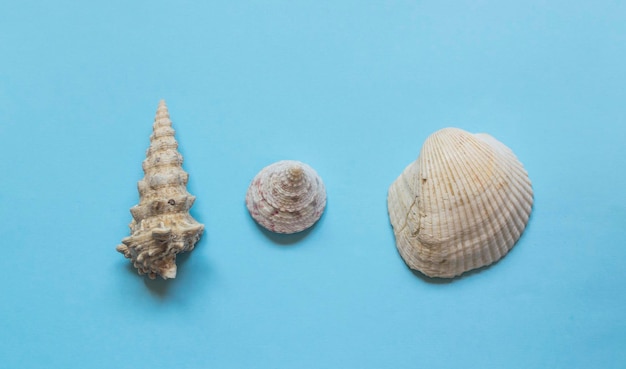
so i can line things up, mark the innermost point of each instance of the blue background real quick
(352, 88)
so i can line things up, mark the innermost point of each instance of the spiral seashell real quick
(162, 226)
(286, 197)
(461, 205)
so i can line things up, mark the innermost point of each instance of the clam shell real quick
(286, 197)
(162, 226)
(461, 205)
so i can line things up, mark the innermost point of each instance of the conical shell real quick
(461, 205)
(286, 197)
(162, 226)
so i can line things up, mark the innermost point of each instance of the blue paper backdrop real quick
(352, 88)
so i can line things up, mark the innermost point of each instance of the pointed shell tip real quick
(295, 171)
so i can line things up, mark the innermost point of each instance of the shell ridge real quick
(421, 254)
(511, 222)
(469, 224)
(442, 220)
(520, 192)
(501, 204)
(522, 182)
(445, 168)
(498, 229)
(524, 191)
(451, 158)
(517, 197)
(481, 226)
(504, 189)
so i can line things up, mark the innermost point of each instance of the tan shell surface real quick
(286, 197)
(461, 205)
(162, 226)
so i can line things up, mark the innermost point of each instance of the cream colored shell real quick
(461, 205)
(162, 226)
(286, 197)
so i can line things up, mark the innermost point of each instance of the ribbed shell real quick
(162, 226)
(461, 205)
(286, 197)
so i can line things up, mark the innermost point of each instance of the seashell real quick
(286, 197)
(461, 205)
(162, 226)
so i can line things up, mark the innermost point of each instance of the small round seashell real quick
(286, 197)
(461, 205)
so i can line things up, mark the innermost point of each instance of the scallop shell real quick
(162, 226)
(286, 197)
(461, 205)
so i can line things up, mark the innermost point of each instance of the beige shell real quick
(461, 205)
(286, 197)
(161, 227)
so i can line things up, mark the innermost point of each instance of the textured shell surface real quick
(162, 226)
(286, 197)
(461, 205)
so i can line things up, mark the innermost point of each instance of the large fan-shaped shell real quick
(461, 205)
(162, 226)
(286, 197)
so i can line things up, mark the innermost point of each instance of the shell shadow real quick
(158, 287)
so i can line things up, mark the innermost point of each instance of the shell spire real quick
(162, 226)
